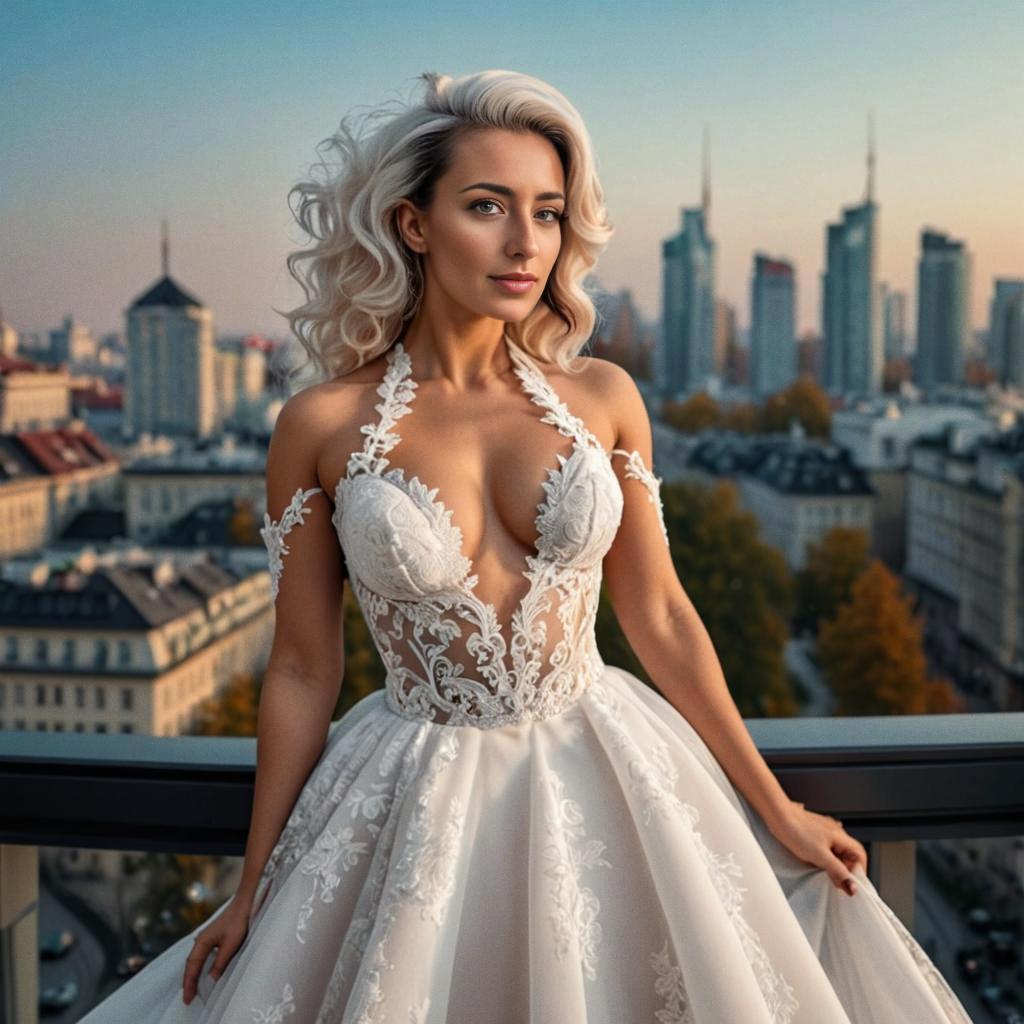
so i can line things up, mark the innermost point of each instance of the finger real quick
(193, 965)
(852, 853)
(223, 956)
(840, 875)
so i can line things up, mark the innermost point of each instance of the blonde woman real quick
(511, 830)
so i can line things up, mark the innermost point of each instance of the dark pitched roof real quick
(166, 292)
(112, 597)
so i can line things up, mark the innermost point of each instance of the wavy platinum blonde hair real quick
(362, 282)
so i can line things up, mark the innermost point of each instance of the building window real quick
(19, 695)
(58, 726)
(79, 727)
(79, 696)
(11, 650)
(42, 649)
(101, 698)
(58, 696)
(126, 698)
(124, 652)
(40, 727)
(3, 694)
(127, 727)
(19, 725)
(101, 727)
(69, 652)
(40, 695)
(102, 653)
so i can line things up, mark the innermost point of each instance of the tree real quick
(232, 710)
(832, 565)
(243, 527)
(743, 417)
(872, 655)
(742, 590)
(803, 400)
(698, 412)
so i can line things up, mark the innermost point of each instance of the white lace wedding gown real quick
(512, 831)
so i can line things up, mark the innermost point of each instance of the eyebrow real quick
(506, 191)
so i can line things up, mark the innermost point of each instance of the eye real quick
(490, 202)
(555, 216)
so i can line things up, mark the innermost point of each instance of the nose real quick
(522, 241)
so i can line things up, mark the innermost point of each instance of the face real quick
(496, 211)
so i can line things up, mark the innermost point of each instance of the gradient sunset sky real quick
(117, 114)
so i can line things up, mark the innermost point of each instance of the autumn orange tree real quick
(696, 413)
(803, 400)
(872, 655)
(830, 569)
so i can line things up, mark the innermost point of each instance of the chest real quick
(487, 457)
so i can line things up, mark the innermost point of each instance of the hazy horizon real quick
(105, 135)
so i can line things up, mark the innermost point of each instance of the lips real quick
(515, 285)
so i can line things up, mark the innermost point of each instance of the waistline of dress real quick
(545, 705)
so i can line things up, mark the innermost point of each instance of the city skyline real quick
(786, 101)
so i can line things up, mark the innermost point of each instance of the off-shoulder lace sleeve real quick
(638, 470)
(273, 534)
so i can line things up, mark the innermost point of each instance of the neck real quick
(462, 363)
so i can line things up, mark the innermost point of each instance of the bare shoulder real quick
(606, 391)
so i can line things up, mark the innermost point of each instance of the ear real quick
(409, 221)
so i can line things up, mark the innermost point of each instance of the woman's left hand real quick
(821, 840)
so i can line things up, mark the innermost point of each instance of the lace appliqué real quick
(276, 1012)
(273, 534)
(423, 876)
(568, 853)
(415, 588)
(669, 985)
(654, 780)
(637, 469)
(947, 998)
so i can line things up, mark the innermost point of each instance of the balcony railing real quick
(891, 780)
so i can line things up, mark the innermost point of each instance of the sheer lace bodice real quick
(448, 657)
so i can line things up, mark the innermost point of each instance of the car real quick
(1002, 947)
(59, 997)
(56, 943)
(972, 963)
(992, 993)
(979, 919)
(132, 964)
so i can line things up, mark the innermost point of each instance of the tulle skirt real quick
(597, 866)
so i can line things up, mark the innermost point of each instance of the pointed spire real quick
(165, 248)
(705, 187)
(870, 190)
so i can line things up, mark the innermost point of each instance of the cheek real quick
(466, 245)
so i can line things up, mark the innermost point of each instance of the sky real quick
(117, 114)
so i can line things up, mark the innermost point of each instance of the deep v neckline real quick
(397, 389)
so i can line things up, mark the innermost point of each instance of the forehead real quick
(517, 159)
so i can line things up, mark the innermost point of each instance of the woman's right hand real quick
(227, 932)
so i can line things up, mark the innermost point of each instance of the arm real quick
(303, 675)
(304, 671)
(672, 643)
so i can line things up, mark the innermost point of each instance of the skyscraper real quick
(894, 312)
(942, 321)
(687, 351)
(773, 357)
(1006, 331)
(851, 313)
(170, 386)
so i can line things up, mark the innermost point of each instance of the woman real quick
(511, 830)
